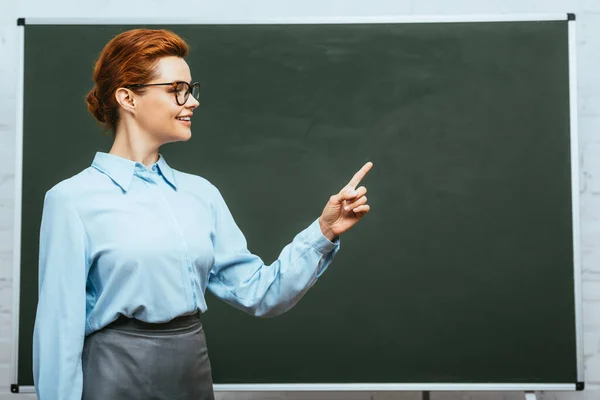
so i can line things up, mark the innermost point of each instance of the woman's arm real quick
(243, 280)
(61, 311)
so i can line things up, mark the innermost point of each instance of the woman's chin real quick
(177, 137)
(187, 136)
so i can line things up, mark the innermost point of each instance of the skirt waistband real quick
(132, 324)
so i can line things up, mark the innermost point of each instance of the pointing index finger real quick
(360, 175)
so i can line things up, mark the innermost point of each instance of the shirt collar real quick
(166, 171)
(121, 170)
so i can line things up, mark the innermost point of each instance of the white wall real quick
(588, 49)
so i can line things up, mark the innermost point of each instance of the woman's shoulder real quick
(73, 186)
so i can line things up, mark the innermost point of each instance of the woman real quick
(129, 245)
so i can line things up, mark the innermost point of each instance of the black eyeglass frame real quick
(190, 89)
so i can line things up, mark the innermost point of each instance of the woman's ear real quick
(125, 98)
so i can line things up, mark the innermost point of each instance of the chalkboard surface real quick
(462, 272)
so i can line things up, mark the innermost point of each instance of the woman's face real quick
(157, 111)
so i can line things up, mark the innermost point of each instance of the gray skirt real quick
(130, 359)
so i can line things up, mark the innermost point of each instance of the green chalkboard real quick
(463, 272)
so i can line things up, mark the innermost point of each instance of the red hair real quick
(129, 58)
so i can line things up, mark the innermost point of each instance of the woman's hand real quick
(345, 209)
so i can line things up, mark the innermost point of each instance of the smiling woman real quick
(129, 245)
(128, 59)
(142, 86)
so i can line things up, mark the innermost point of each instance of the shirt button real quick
(154, 168)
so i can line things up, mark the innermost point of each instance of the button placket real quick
(183, 242)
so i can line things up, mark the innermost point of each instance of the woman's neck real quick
(132, 145)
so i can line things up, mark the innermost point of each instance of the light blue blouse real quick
(120, 238)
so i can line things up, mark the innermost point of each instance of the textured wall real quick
(588, 54)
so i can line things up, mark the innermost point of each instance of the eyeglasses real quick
(181, 89)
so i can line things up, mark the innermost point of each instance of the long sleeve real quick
(61, 311)
(244, 281)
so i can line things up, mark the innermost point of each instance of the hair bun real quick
(93, 105)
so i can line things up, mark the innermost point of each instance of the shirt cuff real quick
(315, 237)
